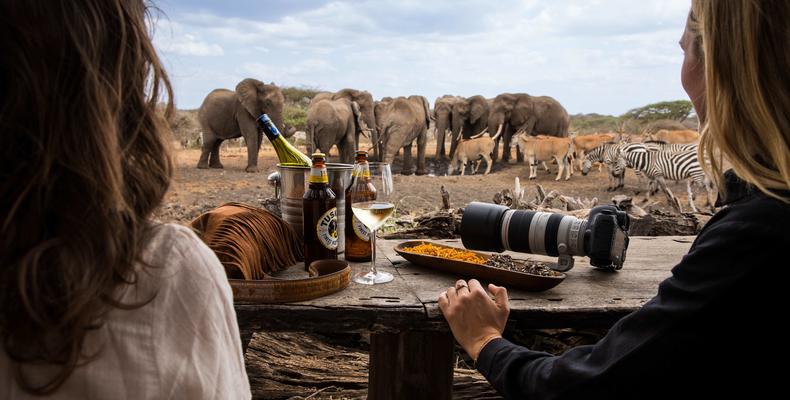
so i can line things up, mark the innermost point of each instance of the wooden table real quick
(411, 352)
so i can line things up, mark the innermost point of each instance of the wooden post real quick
(411, 365)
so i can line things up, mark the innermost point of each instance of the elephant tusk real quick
(460, 132)
(499, 130)
(483, 132)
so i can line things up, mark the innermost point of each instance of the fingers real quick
(475, 286)
(443, 302)
(461, 287)
(500, 295)
(452, 295)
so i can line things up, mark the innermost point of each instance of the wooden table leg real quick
(411, 365)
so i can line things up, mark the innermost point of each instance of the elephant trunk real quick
(441, 130)
(374, 142)
(496, 123)
(310, 139)
(389, 147)
(458, 125)
(277, 118)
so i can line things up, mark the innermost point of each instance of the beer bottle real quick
(319, 215)
(357, 234)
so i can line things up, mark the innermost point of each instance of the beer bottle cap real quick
(318, 171)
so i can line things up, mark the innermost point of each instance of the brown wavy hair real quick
(746, 51)
(84, 164)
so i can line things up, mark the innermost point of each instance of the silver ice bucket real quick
(290, 188)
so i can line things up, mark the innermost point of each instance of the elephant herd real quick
(339, 118)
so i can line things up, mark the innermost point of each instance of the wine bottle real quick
(288, 155)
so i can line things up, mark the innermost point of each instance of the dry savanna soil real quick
(196, 190)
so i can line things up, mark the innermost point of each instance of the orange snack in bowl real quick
(445, 252)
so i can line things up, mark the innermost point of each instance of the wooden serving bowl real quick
(502, 277)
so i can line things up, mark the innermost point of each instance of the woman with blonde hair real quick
(707, 330)
(96, 300)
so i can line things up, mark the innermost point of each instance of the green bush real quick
(594, 123)
(295, 95)
(295, 115)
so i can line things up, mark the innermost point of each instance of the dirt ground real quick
(196, 190)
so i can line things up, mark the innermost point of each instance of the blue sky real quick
(604, 56)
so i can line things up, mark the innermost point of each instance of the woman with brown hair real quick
(707, 330)
(97, 301)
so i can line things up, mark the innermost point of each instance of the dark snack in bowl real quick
(528, 266)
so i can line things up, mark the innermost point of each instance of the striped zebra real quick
(609, 154)
(659, 166)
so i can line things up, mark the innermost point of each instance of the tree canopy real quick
(677, 110)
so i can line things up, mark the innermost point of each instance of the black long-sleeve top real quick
(716, 326)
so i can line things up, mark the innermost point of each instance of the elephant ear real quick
(247, 90)
(427, 107)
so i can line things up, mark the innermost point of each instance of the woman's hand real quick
(474, 318)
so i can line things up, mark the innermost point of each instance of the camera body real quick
(603, 236)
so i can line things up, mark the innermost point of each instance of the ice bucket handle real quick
(274, 180)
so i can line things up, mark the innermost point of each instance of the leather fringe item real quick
(249, 242)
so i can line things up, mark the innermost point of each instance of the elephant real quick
(378, 111)
(470, 117)
(338, 119)
(402, 120)
(512, 112)
(443, 115)
(226, 114)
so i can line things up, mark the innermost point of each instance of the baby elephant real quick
(472, 149)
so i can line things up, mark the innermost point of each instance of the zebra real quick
(639, 158)
(609, 154)
(660, 165)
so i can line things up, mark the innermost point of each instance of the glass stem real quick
(373, 252)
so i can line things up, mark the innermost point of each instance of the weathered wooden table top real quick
(586, 298)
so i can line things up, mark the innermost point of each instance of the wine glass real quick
(372, 203)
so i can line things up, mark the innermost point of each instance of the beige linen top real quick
(184, 344)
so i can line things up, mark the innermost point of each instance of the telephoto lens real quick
(603, 237)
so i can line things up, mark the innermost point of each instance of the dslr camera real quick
(603, 236)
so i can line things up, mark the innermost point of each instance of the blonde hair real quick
(747, 99)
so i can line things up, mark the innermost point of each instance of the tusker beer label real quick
(326, 229)
(360, 229)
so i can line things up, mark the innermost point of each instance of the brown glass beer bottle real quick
(357, 234)
(319, 215)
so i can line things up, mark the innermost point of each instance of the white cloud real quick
(172, 38)
(188, 45)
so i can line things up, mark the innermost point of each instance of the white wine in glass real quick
(376, 178)
(373, 213)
